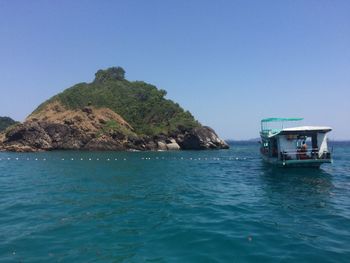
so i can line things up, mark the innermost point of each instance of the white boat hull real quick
(296, 163)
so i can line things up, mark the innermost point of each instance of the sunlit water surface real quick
(193, 206)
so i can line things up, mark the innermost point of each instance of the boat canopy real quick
(272, 126)
(306, 129)
(301, 130)
(281, 119)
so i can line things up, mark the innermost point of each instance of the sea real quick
(181, 206)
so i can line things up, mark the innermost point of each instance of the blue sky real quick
(230, 63)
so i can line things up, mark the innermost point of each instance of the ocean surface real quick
(188, 206)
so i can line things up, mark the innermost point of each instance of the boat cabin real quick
(298, 145)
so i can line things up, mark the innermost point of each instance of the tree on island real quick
(113, 73)
(6, 122)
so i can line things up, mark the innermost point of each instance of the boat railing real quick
(308, 154)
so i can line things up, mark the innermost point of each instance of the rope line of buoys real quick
(109, 159)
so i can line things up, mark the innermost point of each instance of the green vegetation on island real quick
(6, 122)
(141, 104)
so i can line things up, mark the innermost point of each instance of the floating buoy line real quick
(111, 159)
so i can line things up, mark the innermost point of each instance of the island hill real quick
(6, 122)
(110, 113)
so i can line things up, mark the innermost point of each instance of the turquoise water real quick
(195, 206)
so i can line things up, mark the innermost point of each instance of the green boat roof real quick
(281, 119)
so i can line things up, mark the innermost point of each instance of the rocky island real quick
(110, 113)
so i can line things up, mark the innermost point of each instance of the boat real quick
(284, 144)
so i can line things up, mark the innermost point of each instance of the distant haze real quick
(230, 63)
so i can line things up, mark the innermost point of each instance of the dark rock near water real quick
(43, 136)
(36, 136)
(201, 138)
(103, 143)
(31, 135)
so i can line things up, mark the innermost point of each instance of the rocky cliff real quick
(110, 113)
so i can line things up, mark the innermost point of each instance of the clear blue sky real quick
(230, 63)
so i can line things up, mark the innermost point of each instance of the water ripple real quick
(211, 206)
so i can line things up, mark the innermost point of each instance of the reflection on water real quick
(300, 205)
(299, 179)
(297, 187)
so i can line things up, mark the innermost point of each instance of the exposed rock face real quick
(104, 143)
(201, 138)
(59, 128)
(42, 136)
(173, 146)
(162, 146)
(32, 135)
(168, 144)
